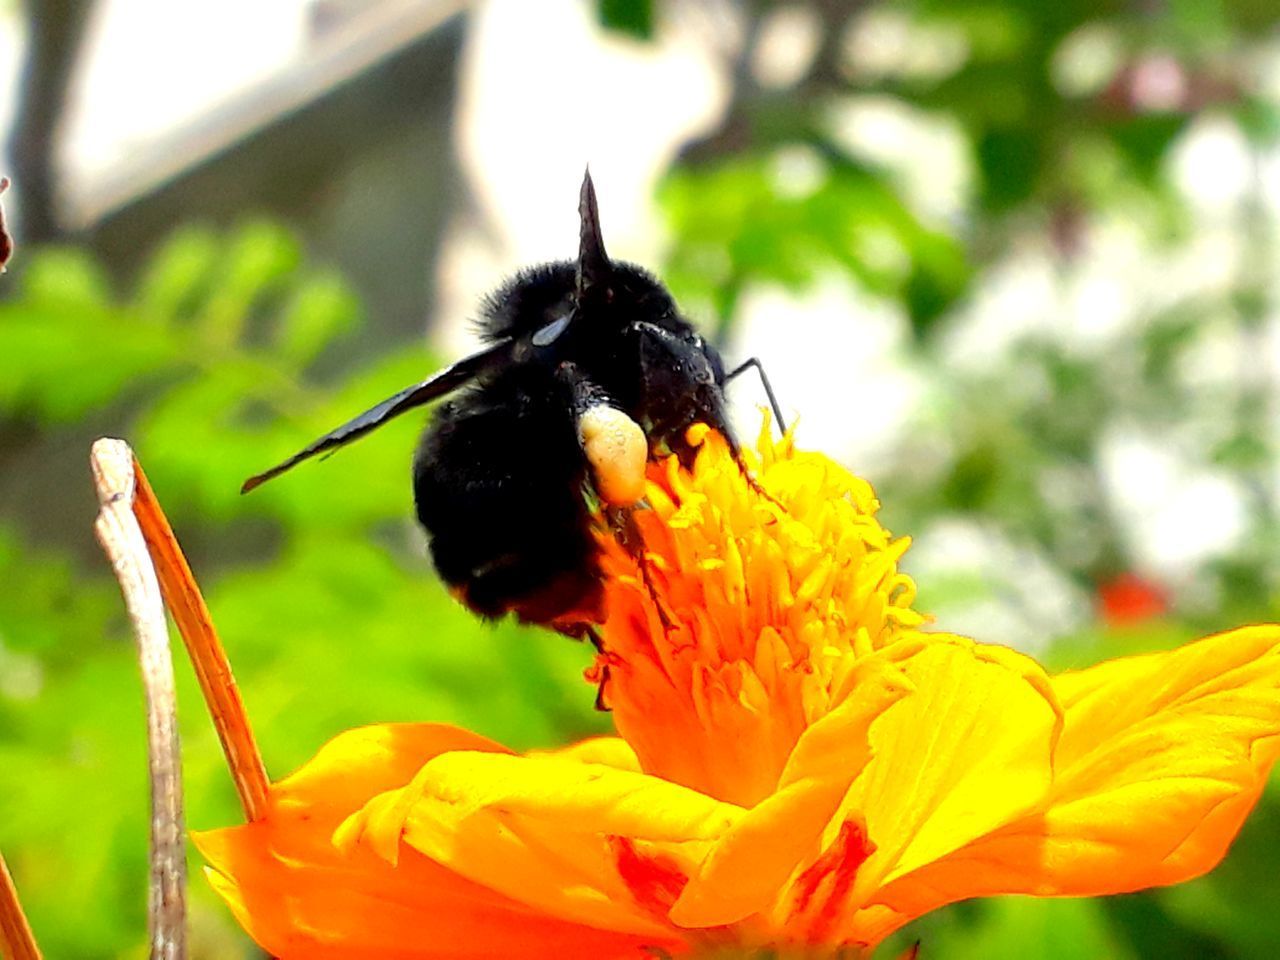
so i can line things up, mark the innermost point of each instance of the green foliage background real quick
(331, 616)
(220, 358)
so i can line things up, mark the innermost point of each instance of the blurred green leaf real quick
(253, 265)
(66, 279)
(1009, 926)
(632, 17)
(741, 223)
(318, 312)
(180, 275)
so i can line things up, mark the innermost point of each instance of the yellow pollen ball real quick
(617, 450)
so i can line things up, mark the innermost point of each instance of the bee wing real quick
(437, 385)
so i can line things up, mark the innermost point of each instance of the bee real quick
(588, 371)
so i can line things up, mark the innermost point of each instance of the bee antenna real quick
(593, 262)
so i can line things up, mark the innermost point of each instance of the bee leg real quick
(614, 445)
(768, 388)
(735, 451)
(627, 532)
(602, 699)
(592, 633)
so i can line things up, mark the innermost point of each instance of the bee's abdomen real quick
(498, 488)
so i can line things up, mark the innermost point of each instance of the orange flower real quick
(799, 764)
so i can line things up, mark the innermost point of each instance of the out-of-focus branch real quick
(16, 939)
(54, 31)
(121, 537)
(6, 241)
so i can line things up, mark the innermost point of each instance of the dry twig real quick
(122, 539)
(149, 565)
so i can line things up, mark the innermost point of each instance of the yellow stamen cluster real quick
(739, 620)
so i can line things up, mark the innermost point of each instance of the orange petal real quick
(299, 896)
(1161, 758)
(747, 868)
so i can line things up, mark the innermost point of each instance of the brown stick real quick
(17, 942)
(121, 538)
(212, 669)
(6, 241)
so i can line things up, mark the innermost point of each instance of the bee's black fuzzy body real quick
(500, 477)
(498, 484)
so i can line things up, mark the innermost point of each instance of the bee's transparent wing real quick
(437, 385)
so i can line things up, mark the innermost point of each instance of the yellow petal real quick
(610, 751)
(579, 797)
(1161, 758)
(746, 869)
(543, 830)
(968, 752)
(359, 763)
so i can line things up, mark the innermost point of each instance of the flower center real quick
(734, 617)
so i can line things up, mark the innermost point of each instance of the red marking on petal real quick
(653, 880)
(833, 872)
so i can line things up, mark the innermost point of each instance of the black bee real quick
(577, 354)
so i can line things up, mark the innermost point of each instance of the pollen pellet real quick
(617, 450)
